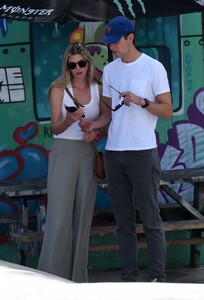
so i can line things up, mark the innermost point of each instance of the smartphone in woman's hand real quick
(70, 109)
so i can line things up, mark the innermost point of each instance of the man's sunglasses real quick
(117, 106)
(81, 63)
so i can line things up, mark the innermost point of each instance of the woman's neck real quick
(79, 84)
(81, 91)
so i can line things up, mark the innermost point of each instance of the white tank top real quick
(91, 111)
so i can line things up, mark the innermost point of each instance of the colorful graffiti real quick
(27, 160)
(26, 73)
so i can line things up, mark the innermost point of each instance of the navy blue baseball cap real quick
(116, 28)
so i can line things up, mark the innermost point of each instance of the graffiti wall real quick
(31, 57)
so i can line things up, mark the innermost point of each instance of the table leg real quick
(198, 203)
(20, 255)
(192, 210)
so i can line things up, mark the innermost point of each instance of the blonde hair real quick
(66, 76)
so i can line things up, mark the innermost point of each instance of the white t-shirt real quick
(91, 112)
(133, 127)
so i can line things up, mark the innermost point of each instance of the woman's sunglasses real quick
(81, 63)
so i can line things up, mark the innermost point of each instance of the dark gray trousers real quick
(133, 178)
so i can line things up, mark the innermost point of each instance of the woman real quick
(71, 182)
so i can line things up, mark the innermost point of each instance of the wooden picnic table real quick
(17, 188)
(23, 187)
(195, 176)
(30, 188)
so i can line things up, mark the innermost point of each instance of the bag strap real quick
(93, 143)
(73, 98)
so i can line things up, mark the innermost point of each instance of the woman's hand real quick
(91, 135)
(74, 116)
(86, 125)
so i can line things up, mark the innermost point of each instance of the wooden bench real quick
(168, 226)
(9, 219)
(195, 223)
(37, 236)
(28, 240)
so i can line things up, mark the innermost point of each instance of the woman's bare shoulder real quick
(57, 85)
(56, 90)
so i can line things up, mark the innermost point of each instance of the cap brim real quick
(111, 39)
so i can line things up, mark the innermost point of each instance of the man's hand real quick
(129, 97)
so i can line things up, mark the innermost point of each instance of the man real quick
(136, 89)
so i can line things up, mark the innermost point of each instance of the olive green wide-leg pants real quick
(71, 198)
